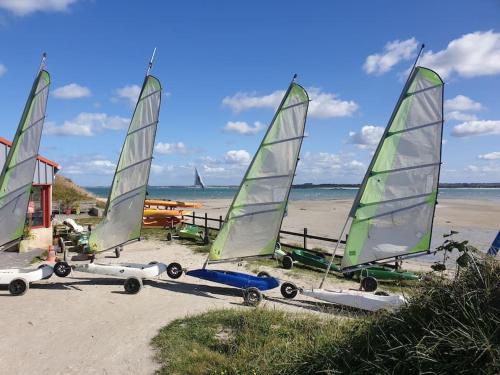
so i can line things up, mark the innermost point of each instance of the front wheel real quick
(169, 236)
(133, 285)
(118, 252)
(62, 269)
(289, 290)
(369, 284)
(252, 296)
(287, 262)
(18, 287)
(174, 270)
(263, 274)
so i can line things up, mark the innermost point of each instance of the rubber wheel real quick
(289, 290)
(18, 287)
(169, 236)
(133, 285)
(287, 262)
(117, 252)
(174, 270)
(153, 262)
(369, 284)
(349, 275)
(62, 269)
(263, 274)
(252, 296)
(381, 293)
(46, 277)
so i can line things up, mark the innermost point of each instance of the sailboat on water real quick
(122, 220)
(198, 181)
(392, 215)
(16, 183)
(252, 224)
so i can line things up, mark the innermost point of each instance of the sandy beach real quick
(87, 324)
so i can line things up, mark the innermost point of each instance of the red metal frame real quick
(46, 205)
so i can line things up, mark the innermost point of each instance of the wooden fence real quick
(303, 235)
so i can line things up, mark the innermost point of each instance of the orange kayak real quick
(151, 212)
(162, 203)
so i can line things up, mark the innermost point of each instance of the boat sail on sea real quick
(198, 181)
(252, 224)
(392, 215)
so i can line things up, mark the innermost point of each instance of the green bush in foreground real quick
(450, 327)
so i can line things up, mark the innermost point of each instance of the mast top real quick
(294, 77)
(42, 62)
(150, 65)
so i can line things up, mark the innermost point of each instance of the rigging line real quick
(423, 90)
(268, 177)
(252, 213)
(33, 124)
(374, 173)
(22, 162)
(143, 127)
(391, 212)
(395, 200)
(295, 105)
(39, 91)
(148, 95)
(128, 192)
(256, 204)
(389, 133)
(283, 140)
(133, 165)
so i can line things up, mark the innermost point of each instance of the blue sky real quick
(223, 66)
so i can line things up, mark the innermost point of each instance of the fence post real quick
(194, 218)
(305, 238)
(205, 238)
(220, 222)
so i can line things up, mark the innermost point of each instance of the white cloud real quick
(490, 156)
(71, 91)
(242, 127)
(368, 137)
(87, 124)
(462, 103)
(130, 93)
(476, 127)
(394, 52)
(322, 105)
(471, 55)
(25, 7)
(459, 116)
(243, 101)
(356, 165)
(327, 167)
(3, 69)
(95, 166)
(170, 148)
(159, 169)
(241, 157)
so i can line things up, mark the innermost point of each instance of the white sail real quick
(17, 176)
(198, 181)
(253, 222)
(393, 212)
(124, 210)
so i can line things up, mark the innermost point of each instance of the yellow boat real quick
(151, 212)
(163, 203)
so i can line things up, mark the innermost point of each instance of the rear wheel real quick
(46, 277)
(369, 284)
(287, 262)
(263, 274)
(174, 270)
(152, 263)
(289, 290)
(348, 275)
(18, 287)
(133, 285)
(252, 296)
(169, 236)
(62, 269)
